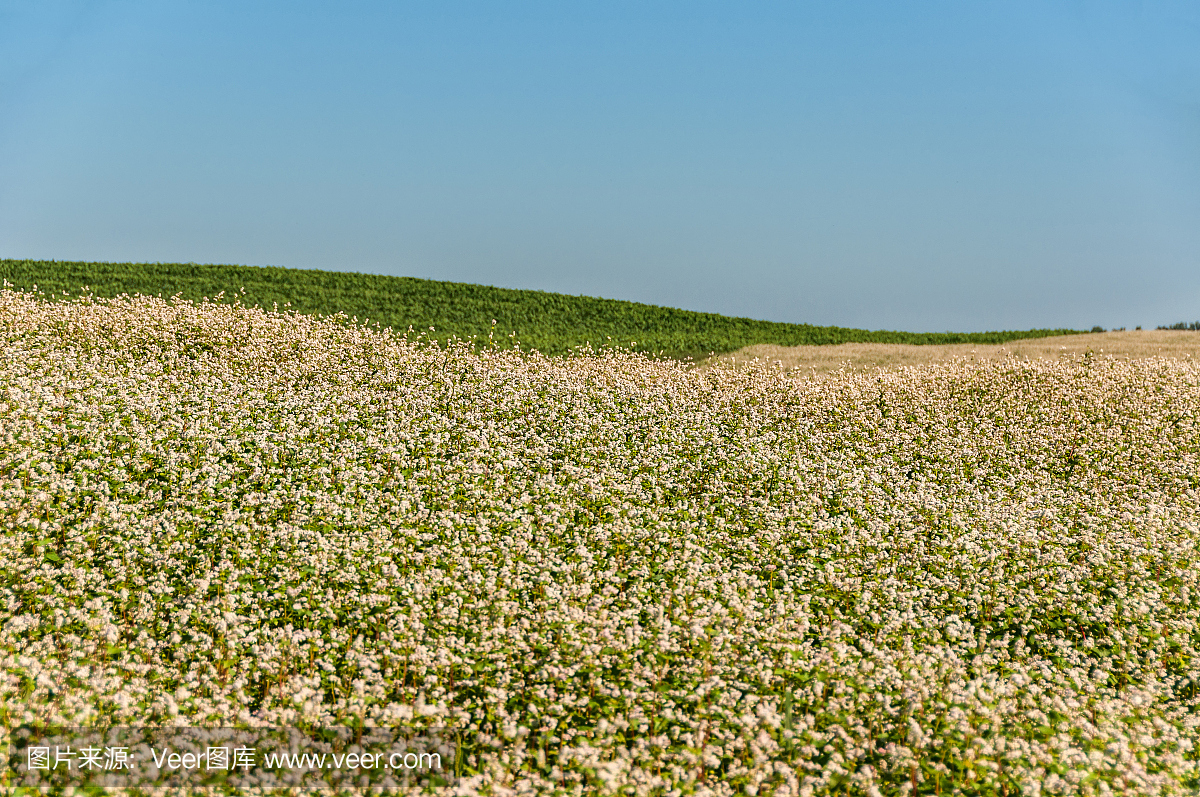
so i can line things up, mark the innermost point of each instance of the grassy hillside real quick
(550, 322)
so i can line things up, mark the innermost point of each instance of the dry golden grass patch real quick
(890, 356)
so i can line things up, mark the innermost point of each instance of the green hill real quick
(550, 322)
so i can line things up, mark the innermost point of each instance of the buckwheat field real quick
(605, 574)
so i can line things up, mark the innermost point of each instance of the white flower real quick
(608, 571)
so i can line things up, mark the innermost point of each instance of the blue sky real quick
(918, 166)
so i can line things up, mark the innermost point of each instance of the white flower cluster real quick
(604, 573)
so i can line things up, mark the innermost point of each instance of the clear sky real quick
(924, 166)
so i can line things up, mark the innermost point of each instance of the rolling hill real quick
(550, 322)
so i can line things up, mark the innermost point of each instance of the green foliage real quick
(1193, 325)
(550, 322)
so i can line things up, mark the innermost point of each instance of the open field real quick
(603, 574)
(872, 356)
(552, 323)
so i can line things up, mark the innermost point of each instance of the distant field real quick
(858, 356)
(550, 322)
